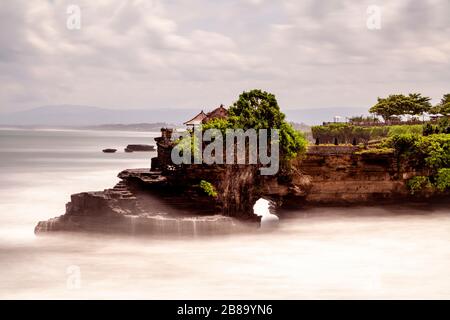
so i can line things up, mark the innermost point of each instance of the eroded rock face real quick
(237, 190)
(238, 187)
(344, 177)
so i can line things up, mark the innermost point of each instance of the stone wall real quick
(164, 148)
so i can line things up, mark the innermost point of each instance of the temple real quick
(197, 120)
(219, 113)
(164, 143)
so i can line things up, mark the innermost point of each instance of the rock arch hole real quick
(265, 209)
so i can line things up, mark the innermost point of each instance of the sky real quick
(201, 53)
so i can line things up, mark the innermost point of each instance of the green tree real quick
(259, 109)
(399, 104)
(386, 108)
(443, 107)
(445, 99)
(256, 109)
(417, 105)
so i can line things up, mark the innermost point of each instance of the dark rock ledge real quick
(140, 205)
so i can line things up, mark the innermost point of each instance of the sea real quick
(381, 252)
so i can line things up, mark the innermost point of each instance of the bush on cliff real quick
(424, 152)
(431, 151)
(418, 183)
(208, 188)
(403, 144)
(443, 179)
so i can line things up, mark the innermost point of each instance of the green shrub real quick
(370, 119)
(208, 188)
(432, 151)
(418, 183)
(292, 142)
(403, 144)
(443, 179)
(436, 149)
(442, 126)
(346, 133)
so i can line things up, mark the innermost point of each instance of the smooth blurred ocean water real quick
(365, 252)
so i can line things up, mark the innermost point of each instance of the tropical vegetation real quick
(397, 105)
(430, 153)
(257, 109)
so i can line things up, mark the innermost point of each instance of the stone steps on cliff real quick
(120, 191)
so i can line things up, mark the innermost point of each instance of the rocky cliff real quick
(128, 208)
(170, 200)
(342, 175)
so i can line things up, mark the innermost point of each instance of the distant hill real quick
(145, 127)
(83, 116)
(71, 115)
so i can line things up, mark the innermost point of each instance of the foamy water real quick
(320, 253)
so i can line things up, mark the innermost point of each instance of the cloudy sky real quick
(199, 53)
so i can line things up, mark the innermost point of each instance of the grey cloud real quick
(193, 53)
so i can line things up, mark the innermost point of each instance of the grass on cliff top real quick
(376, 151)
(333, 145)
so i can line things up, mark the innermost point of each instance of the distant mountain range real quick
(85, 116)
(143, 127)
(82, 116)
